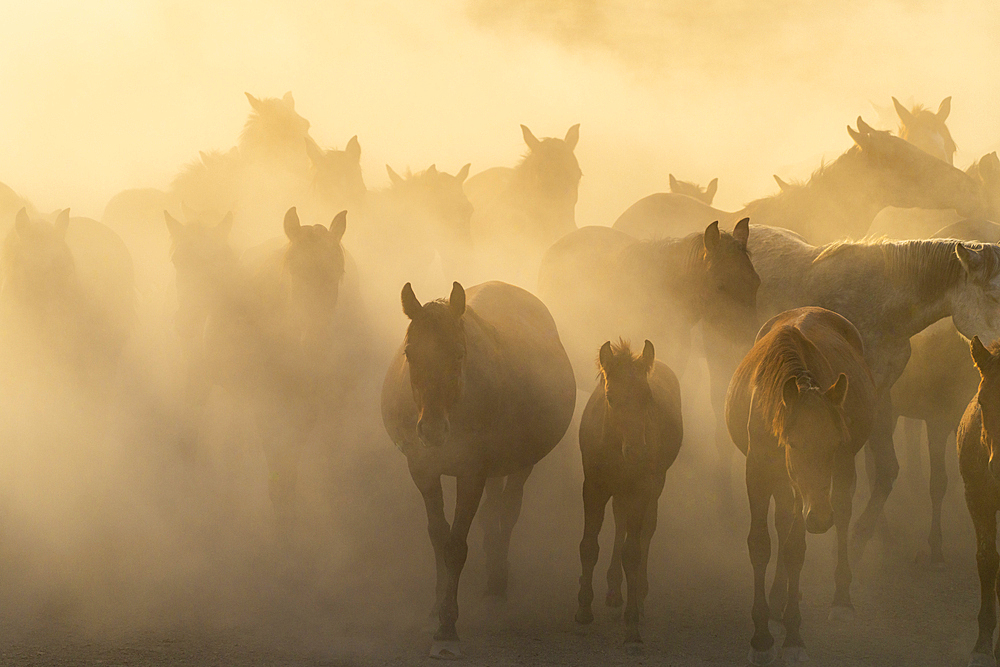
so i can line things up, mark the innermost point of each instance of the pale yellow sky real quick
(99, 96)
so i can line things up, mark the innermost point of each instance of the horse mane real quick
(621, 353)
(930, 264)
(784, 360)
(824, 171)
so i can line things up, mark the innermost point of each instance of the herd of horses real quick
(485, 382)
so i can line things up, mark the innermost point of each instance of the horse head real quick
(275, 131)
(988, 362)
(627, 397)
(202, 257)
(551, 172)
(694, 190)
(434, 202)
(38, 266)
(337, 174)
(728, 280)
(435, 355)
(926, 129)
(313, 265)
(811, 428)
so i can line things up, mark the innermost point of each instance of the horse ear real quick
(864, 127)
(971, 259)
(432, 169)
(944, 109)
(292, 224)
(254, 102)
(205, 157)
(605, 356)
(673, 183)
(980, 354)
(572, 136)
(393, 176)
(457, 300)
(904, 114)
(463, 173)
(782, 185)
(859, 139)
(790, 392)
(648, 356)
(353, 149)
(712, 236)
(529, 138)
(314, 152)
(411, 306)
(838, 392)
(22, 223)
(289, 100)
(741, 232)
(62, 222)
(225, 226)
(712, 188)
(339, 225)
(173, 226)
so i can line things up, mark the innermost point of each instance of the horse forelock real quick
(784, 359)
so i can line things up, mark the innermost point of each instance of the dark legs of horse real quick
(595, 500)
(759, 543)
(722, 360)
(778, 597)
(616, 575)
(792, 552)
(437, 526)
(648, 528)
(503, 507)
(937, 438)
(842, 493)
(987, 560)
(886, 469)
(636, 504)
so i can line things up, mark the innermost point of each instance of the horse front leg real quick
(937, 439)
(886, 468)
(509, 512)
(648, 528)
(842, 493)
(778, 598)
(794, 554)
(759, 492)
(636, 504)
(983, 515)
(429, 485)
(456, 550)
(614, 597)
(595, 500)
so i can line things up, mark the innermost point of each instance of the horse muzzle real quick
(818, 519)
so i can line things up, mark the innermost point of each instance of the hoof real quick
(446, 650)
(794, 655)
(982, 660)
(762, 658)
(841, 614)
(634, 648)
(584, 616)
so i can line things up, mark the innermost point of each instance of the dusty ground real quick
(203, 582)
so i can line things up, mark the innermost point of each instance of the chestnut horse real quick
(480, 388)
(800, 407)
(630, 434)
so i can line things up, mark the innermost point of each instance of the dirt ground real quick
(158, 581)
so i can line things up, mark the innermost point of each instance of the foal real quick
(630, 434)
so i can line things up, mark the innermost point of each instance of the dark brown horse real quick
(630, 434)
(694, 190)
(840, 200)
(979, 462)
(800, 407)
(521, 211)
(480, 388)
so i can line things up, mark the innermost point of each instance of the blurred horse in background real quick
(694, 190)
(926, 129)
(521, 211)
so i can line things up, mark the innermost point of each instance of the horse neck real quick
(485, 365)
(665, 268)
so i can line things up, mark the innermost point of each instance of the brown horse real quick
(67, 293)
(520, 212)
(979, 462)
(694, 190)
(926, 129)
(630, 434)
(480, 388)
(840, 200)
(790, 412)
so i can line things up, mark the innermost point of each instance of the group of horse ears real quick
(293, 228)
(413, 309)
(22, 222)
(605, 357)
(741, 232)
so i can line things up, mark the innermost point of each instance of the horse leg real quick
(759, 543)
(469, 493)
(636, 504)
(648, 528)
(489, 517)
(614, 597)
(429, 486)
(719, 378)
(912, 430)
(778, 598)
(794, 553)
(595, 500)
(937, 438)
(509, 512)
(886, 469)
(842, 493)
(987, 561)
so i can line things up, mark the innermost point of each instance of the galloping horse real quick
(890, 291)
(979, 462)
(630, 434)
(694, 190)
(520, 212)
(839, 200)
(480, 388)
(800, 407)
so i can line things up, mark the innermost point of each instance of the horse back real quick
(666, 214)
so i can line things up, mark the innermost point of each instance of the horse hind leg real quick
(937, 438)
(509, 512)
(614, 597)
(489, 518)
